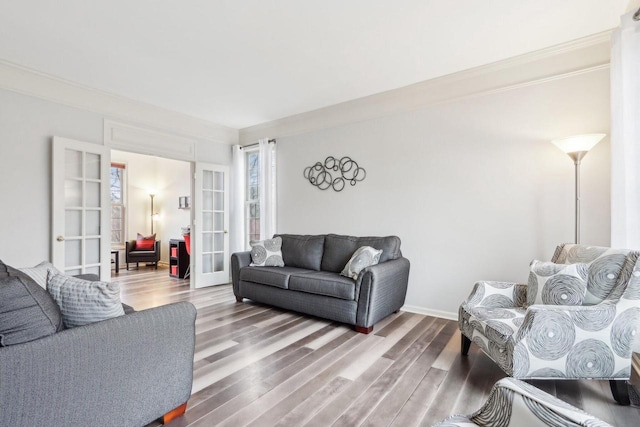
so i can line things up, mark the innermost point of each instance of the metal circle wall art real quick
(334, 173)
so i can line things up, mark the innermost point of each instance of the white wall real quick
(473, 187)
(27, 125)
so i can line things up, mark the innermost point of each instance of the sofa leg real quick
(620, 391)
(127, 266)
(465, 343)
(172, 415)
(239, 299)
(363, 330)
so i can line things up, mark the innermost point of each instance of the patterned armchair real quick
(513, 402)
(539, 341)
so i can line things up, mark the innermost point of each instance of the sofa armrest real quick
(492, 294)
(239, 260)
(128, 370)
(383, 288)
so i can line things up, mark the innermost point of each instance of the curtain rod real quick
(257, 143)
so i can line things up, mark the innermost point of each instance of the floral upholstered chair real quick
(577, 318)
(516, 403)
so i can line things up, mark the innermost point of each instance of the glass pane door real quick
(211, 225)
(80, 198)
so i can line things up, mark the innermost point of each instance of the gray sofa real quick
(126, 371)
(310, 282)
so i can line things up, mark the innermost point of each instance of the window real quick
(252, 204)
(117, 192)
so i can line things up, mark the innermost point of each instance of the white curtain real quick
(237, 208)
(267, 188)
(625, 134)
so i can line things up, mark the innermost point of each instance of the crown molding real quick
(30, 82)
(580, 56)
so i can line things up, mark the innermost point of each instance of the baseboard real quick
(430, 312)
(163, 263)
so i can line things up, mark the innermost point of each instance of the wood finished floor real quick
(260, 366)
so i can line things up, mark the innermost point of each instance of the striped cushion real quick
(39, 272)
(82, 302)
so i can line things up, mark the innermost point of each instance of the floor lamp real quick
(577, 147)
(154, 215)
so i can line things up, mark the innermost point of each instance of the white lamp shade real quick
(578, 143)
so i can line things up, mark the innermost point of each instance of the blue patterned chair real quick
(513, 402)
(593, 340)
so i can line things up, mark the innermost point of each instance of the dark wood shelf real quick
(179, 259)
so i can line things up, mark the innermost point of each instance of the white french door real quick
(81, 234)
(211, 205)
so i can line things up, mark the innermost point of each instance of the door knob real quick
(60, 239)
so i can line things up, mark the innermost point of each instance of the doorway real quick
(149, 196)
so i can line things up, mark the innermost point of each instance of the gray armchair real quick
(132, 254)
(126, 371)
(562, 341)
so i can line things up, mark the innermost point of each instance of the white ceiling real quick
(243, 62)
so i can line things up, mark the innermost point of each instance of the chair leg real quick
(239, 299)
(620, 391)
(464, 345)
(127, 266)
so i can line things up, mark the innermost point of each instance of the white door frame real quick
(58, 203)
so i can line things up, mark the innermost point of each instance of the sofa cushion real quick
(267, 253)
(557, 284)
(39, 272)
(145, 243)
(27, 312)
(271, 276)
(324, 283)
(82, 302)
(338, 249)
(362, 258)
(605, 265)
(302, 251)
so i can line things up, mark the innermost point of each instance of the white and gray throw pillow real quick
(82, 301)
(267, 253)
(39, 272)
(557, 284)
(362, 258)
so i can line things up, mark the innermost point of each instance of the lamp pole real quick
(577, 157)
(152, 196)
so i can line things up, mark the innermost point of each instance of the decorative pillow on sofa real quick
(27, 312)
(363, 257)
(145, 243)
(39, 272)
(557, 284)
(82, 302)
(267, 253)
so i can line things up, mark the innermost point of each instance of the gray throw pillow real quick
(82, 302)
(362, 258)
(267, 253)
(39, 272)
(557, 284)
(27, 312)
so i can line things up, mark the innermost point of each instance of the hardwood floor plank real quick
(341, 403)
(397, 397)
(307, 409)
(259, 365)
(416, 407)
